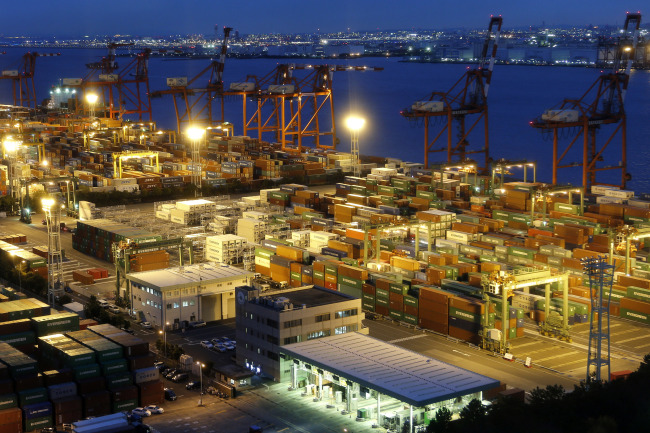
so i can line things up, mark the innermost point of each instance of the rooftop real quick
(183, 276)
(308, 296)
(407, 376)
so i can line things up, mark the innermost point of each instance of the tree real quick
(473, 414)
(92, 308)
(441, 422)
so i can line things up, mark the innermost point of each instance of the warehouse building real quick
(266, 321)
(184, 294)
(377, 381)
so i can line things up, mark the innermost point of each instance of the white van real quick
(103, 303)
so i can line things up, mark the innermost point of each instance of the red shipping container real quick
(9, 416)
(464, 335)
(68, 417)
(127, 393)
(14, 427)
(331, 286)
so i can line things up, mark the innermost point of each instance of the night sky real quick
(165, 17)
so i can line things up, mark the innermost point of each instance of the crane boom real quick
(498, 21)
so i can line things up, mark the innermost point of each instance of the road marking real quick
(625, 331)
(458, 351)
(286, 428)
(399, 340)
(557, 356)
(569, 363)
(631, 339)
(642, 346)
(519, 346)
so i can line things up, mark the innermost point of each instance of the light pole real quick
(92, 98)
(355, 124)
(201, 380)
(195, 134)
(11, 147)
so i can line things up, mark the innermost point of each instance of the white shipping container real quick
(242, 87)
(600, 189)
(602, 199)
(564, 116)
(163, 215)
(619, 193)
(62, 391)
(281, 89)
(261, 261)
(636, 202)
(146, 375)
(177, 81)
(457, 236)
(71, 81)
(430, 106)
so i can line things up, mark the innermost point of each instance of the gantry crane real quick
(467, 97)
(22, 79)
(293, 108)
(118, 157)
(599, 107)
(196, 105)
(501, 284)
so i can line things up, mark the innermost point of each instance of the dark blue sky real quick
(152, 17)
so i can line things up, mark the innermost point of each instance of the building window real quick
(272, 355)
(272, 323)
(169, 306)
(344, 329)
(345, 313)
(291, 340)
(322, 317)
(186, 304)
(176, 304)
(272, 339)
(292, 323)
(319, 334)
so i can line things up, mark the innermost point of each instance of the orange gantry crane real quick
(22, 79)
(467, 97)
(196, 105)
(599, 109)
(120, 91)
(292, 109)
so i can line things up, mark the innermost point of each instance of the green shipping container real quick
(261, 252)
(114, 366)
(319, 275)
(512, 333)
(119, 380)
(77, 357)
(87, 371)
(381, 294)
(464, 315)
(37, 423)
(331, 269)
(368, 306)
(382, 302)
(31, 396)
(367, 297)
(127, 405)
(638, 293)
(20, 339)
(8, 401)
(413, 320)
(349, 290)
(352, 282)
(410, 300)
(400, 289)
(55, 324)
(635, 315)
(395, 315)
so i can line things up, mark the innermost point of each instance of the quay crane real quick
(24, 92)
(293, 108)
(599, 107)
(122, 91)
(467, 97)
(196, 105)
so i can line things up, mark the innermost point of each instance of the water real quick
(518, 94)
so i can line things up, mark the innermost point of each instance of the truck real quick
(118, 418)
(111, 426)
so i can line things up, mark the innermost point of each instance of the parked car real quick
(229, 346)
(197, 324)
(192, 385)
(180, 377)
(170, 394)
(215, 341)
(206, 344)
(66, 427)
(140, 411)
(103, 303)
(171, 373)
(155, 409)
(146, 325)
(128, 330)
(159, 365)
(219, 348)
(113, 309)
(225, 340)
